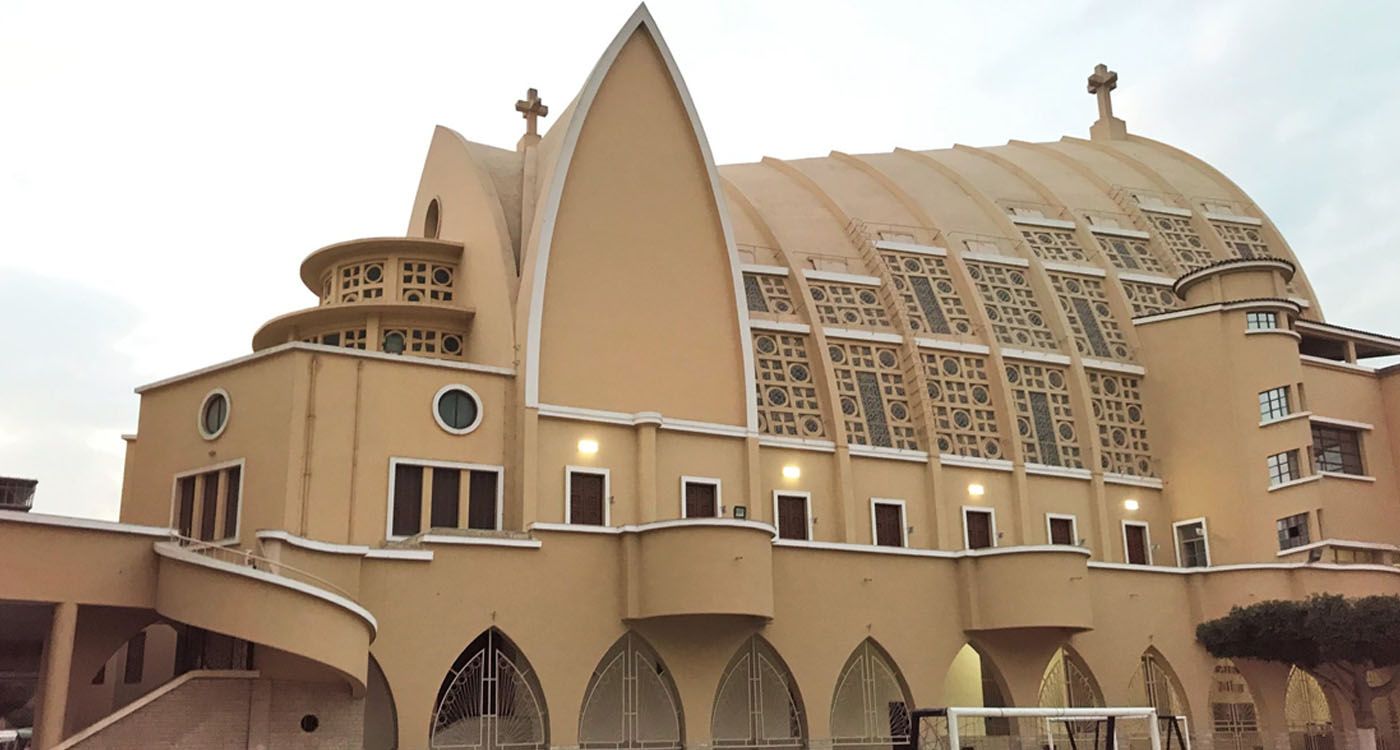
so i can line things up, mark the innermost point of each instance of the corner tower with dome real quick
(621, 449)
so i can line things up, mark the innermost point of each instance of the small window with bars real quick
(1283, 468)
(1337, 450)
(1293, 531)
(1261, 321)
(437, 495)
(1273, 404)
(1191, 549)
(207, 503)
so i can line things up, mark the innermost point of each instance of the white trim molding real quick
(952, 346)
(763, 269)
(759, 324)
(1334, 364)
(1034, 356)
(606, 473)
(1335, 422)
(806, 504)
(1073, 528)
(898, 454)
(1068, 472)
(1146, 541)
(1294, 482)
(859, 335)
(1233, 218)
(976, 462)
(1205, 538)
(1040, 221)
(1004, 260)
(1132, 481)
(88, 524)
(845, 278)
(1146, 278)
(1074, 268)
(713, 482)
(204, 404)
(1112, 366)
(911, 247)
(903, 520)
(800, 444)
(1137, 234)
(991, 524)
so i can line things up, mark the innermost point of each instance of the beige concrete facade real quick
(612, 425)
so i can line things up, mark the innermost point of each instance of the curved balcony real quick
(1028, 587)
(700, 567)
(261, 601)
(1236, 279)
(428, 329)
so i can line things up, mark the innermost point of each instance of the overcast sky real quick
(165, 167)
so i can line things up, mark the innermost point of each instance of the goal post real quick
(1089, 728)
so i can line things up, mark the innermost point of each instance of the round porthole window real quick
(213, 414)
(394, 342)
(309, 723)
(457, 409)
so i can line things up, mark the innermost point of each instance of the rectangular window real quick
(588, 497)
(887, 521)
(198, 512)
(1061, 529)
(1273, 404)
(1337, 449)
(483, 500)
(699, 498)
(408, 500)
(1293, 531)
(979, 528)
(444, 485)
(1283, 467)
(1260, 321)
(446, 494)
(793, 520)
(135, 659)
(1135, 544)
(1191, 549)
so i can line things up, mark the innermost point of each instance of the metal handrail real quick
(257, 562)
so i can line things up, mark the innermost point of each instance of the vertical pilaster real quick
(58, 662)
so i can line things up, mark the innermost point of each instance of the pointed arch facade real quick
(1233, 713)
(757, 704)
(1068, 683)
(1307, 713)
(631, 701)
(871, 703)
(1155, 684)
(490, 700)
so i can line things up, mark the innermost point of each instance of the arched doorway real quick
(1234, 719)
(870, 707)
(1068, 683)
(631, 701)
(490, 699)
(973, 680)
(1305, 708)
(381, 730)
(757, 704)
(1153, 684)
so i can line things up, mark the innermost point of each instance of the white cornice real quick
(1132, 481)
(1040, 221)
(955, 346)
(900, 454)
(1119, 231)
(859, 335)
(802, 444)
(763, 269)
(911, 247)
(1004, 260)
(759, 324)
(1342, 422)
(1146, 278)
(1108, 364)
(1234, 219)
(976, 462)
(1074, 268)
(845, 278)
(1035, 356)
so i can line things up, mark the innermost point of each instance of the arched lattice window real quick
(490, 699)
(631, 701)
(1152, 685)
(1067, 683)
(1305, 707)
(757, 704)
(871, 705)
(1234, 720)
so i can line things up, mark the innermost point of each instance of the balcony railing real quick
(247, 559)
(17, 494)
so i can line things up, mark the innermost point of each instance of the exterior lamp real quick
(588, 446)
(976, 490)
(1130, 504)
(792, 471)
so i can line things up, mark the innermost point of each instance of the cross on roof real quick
(532, 108)
(1102, 82)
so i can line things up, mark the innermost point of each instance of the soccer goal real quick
(1116, 728)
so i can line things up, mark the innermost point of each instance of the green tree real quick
(1339, 641)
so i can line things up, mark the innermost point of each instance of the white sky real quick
(164, 167)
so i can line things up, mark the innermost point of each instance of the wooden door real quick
(889, 525)
(979, 529)
(586, 499)
(792, 517)
(1135, 537)
(700, 500)
(1062, 531)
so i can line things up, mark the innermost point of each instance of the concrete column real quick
(58, 662)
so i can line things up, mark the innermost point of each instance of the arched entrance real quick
(1305, 708)
(973, 680)
(870, 707)
(1068, 683)
(491, 700)
(1154, 684)
(1234, 718)
(381, 730)
(757, 704)
(631, 701)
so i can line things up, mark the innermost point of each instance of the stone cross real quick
(1102, 82)
(531, 108)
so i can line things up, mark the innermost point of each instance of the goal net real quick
(1117, 728)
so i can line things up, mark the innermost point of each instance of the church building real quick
(620, 449)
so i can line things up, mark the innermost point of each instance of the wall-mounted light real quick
(741, 512)
(588, 446)
(976, 490)
(792, 471)
(1130, 504)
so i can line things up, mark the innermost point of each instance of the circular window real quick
(213, 414)
(431, 219)
(457, 409)
(394, 342)
(309, 723)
